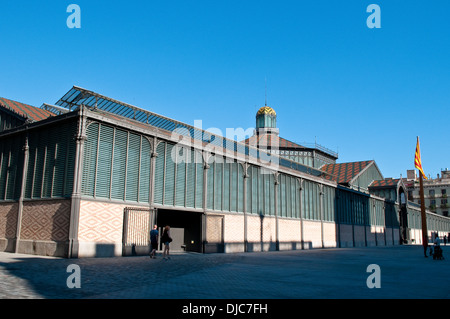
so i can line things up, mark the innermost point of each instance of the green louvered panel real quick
(365, 212)
(249, 190)
(145, 173)
(19, 169)
(13, 171)
(254, 179)
(303, 199)
(306, 200)
(347, 213)
(49, 164)
(294, 196)
(339, 206)
(352, 209)
(355, 210)
(290, 200)
(261, 194)
(388, 216)
(286, 196)
(59, 171)
(119, 164)
(296, 192)
(234, 186)
(32, 143)
(271, 194)
(311, 200)
(279, 196)
(240, 182)
(199, 171)
(345, 207)
(325, 201)
(89, 163)
(103, 177)
(371, 217)
(316, 209)
(210, 184)
(282, 196)
(290, 197)
(5, 146)
(226, 186)
(358, 212)
(180, 190)
(318, 203)
(332, 204)
(159, 173)
(169, 183)
(218, 185)
(70, 160)
(349, 209)
(267, 194)
(395, 216)
(134, 151)
(379, 213)
(40, 164)
(190, 182)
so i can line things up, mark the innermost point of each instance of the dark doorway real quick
(404, 231)
(185, 229)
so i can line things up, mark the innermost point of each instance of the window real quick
(431, 192)
(410, 196)
(444, 191)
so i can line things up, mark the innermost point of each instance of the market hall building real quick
(90, 175)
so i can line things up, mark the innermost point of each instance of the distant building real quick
(436, 191)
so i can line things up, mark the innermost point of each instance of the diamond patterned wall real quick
(46, 220)
(8, 220)
(100, 222)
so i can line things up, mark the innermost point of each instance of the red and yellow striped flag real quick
(417, 160)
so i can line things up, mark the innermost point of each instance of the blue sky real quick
(366, 93)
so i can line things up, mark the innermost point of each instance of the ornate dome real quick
(266, 110)
(266, 118)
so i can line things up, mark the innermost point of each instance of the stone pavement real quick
(304, 274)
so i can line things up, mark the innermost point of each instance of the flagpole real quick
(424, 217)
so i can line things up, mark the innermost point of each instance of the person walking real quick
(166, 239)
(153, 241)
(437, 241)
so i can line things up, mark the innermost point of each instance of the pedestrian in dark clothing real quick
(153, 241)
(166, 239)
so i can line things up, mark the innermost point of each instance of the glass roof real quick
(78, 96)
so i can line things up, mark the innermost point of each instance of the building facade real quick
(90, 176)
(436, 191)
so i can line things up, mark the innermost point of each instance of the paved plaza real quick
(316, 274)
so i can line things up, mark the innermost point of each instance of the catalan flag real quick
(417, 160)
